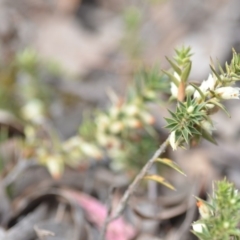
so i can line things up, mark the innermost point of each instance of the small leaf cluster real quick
(132, 44)
(187, 122)
(232, 70)
(181, 65)
(183, 55)
(222, 222)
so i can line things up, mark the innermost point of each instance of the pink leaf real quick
(96, 213)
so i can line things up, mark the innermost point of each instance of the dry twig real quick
(132, 187)
(109, 210)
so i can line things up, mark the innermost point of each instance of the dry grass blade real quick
(160, 180)
(42, 233)
(171, 164)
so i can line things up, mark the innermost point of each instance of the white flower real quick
(190, 90)
(228, 92)
(114, 112)
(190, 109)
(33, 111)
(133, 123)
(172, 141)
(174, 88)
(103, 121)
(207, 126)
(210, 105)
(204, 210)
(147, 118)
(116, 127)
(211, 82)
(206, 85)
(91, 150)
(198, 227)
(131, 110)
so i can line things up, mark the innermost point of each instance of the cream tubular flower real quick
(198, 227)
(174, 90)
(228, 92)
(207, 126)
(203, 88)
(206, 85)
(172, 141)
(190, 90)
(211, 82)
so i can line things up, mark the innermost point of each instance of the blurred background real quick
(63, 65)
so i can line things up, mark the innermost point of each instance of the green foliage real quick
(186, 121)
(191, 120)
(183, 56)
(125, 131)
(131, 42)
(220, 215)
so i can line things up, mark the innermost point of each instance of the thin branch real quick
(132, 187)
(18, 169)
(109, 210)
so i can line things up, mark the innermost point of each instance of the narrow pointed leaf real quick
(205, 202)
(170, 120)
(160, 180)
(174, 66)
(215, 73)
(172, 114)
(194, 130)
(171, 125)
(174, 79)
(222, 107)
(171, 164)
(208, 137)
(220, 68)
(188, 131)
(198, 89)
(185, 135)
(186, 71)
(189, 102)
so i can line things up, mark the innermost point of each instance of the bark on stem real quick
(131, 188)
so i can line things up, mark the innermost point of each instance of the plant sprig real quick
(220, 215)
(196, 104)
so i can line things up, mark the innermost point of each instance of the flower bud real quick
(114, 112)
(228, 92)
(55, 166)
(103, 121)
(198, 227)
(103, 139)
(133, 123)
(172, 141)
(147, 118)
(207, 126)
(203, 209)
(131, 110)
(91, 150)
(174, 90)
(190, 109)
(190, 90)
(33, 111)
(116, 127)
(150, 94)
